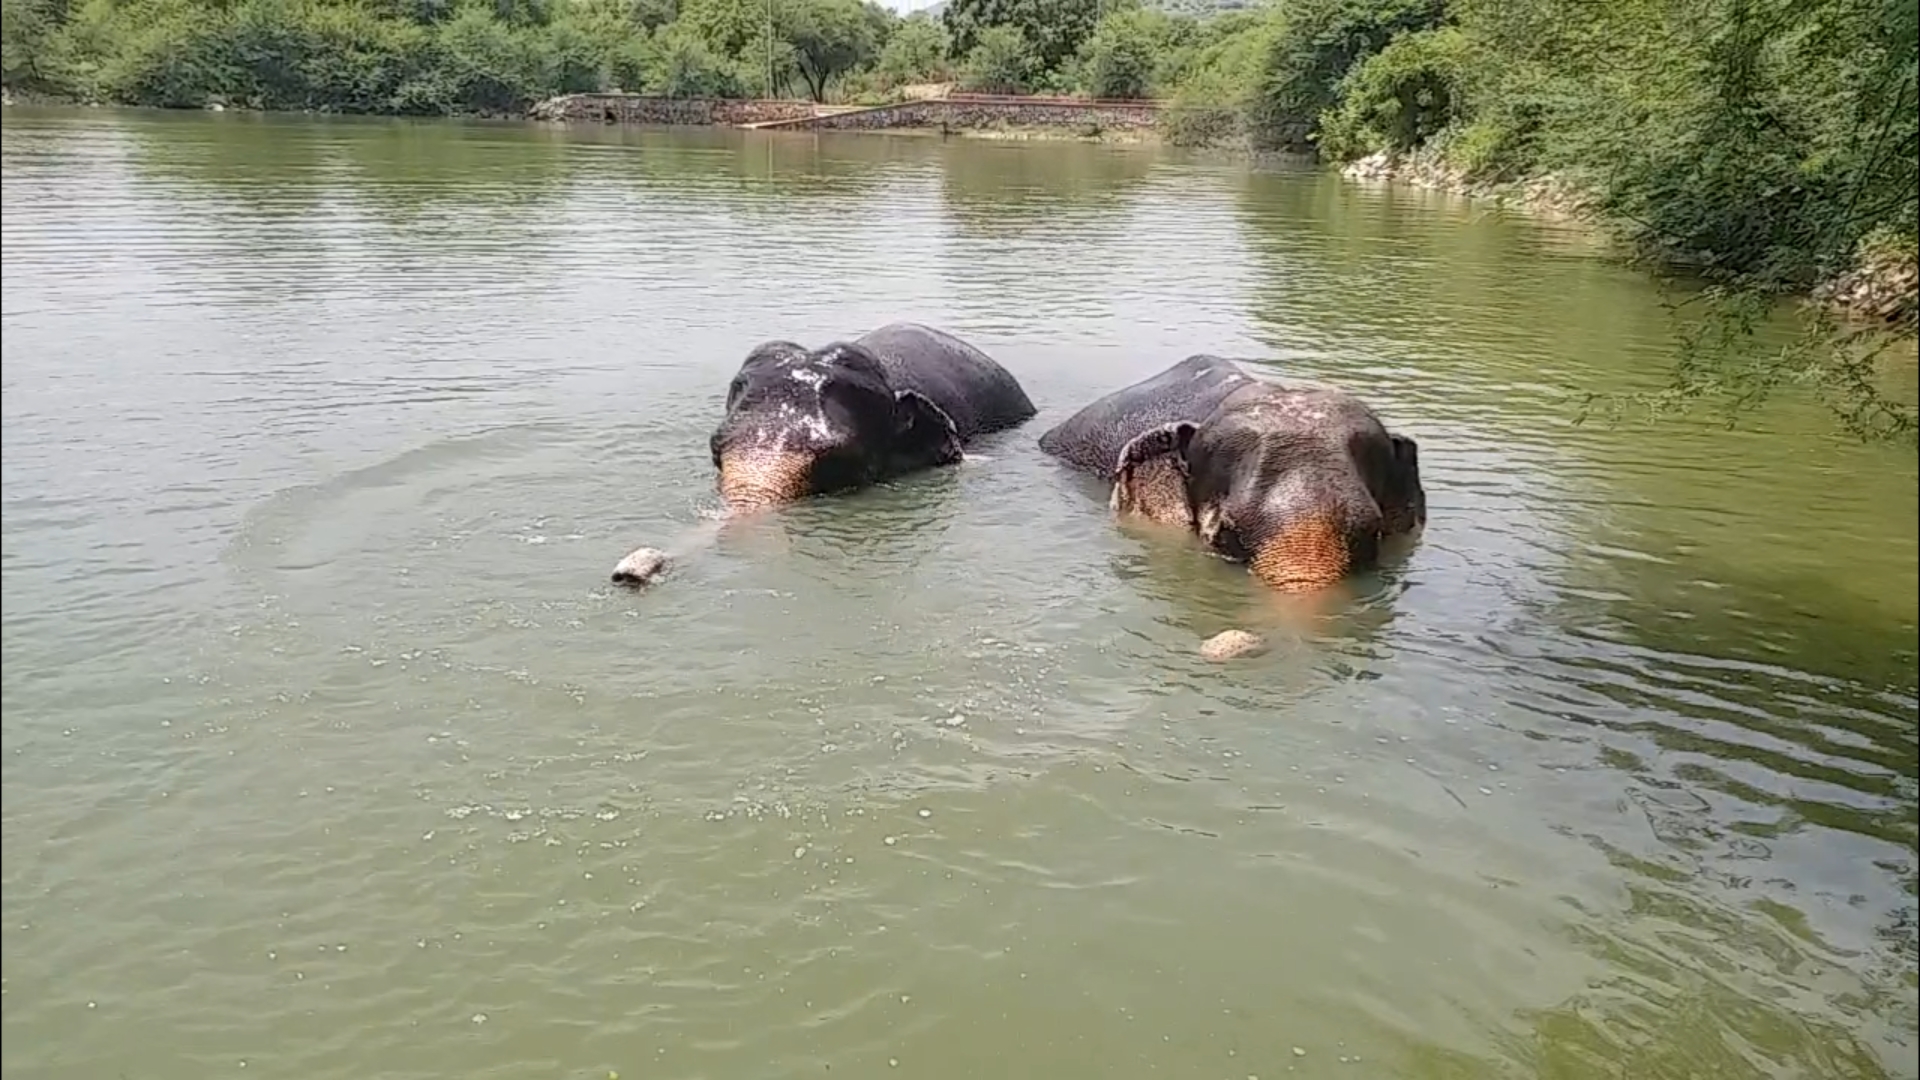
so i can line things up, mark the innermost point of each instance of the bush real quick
(363, 64)
(1002, 62)
(1120, 58)
(1400, 97)
(631, 63)
(687, 67)
(484, 64)
(1316, 42)
(1209, 110)
(170, 55)
(917, 52)
(27, 28)
(433, 56)
(1054, 30)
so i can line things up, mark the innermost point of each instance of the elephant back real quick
(1091, 439)
(979, 394)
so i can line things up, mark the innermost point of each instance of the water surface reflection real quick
(328, 751)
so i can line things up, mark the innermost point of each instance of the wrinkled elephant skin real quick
(905, 397)
(1302, 484)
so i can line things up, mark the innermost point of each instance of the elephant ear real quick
(1150, 476)
(1409, 509)
(1406, 453)
(923, 433)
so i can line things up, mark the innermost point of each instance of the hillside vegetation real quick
(1768, 146)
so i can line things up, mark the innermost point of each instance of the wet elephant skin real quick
(901, 398)
(1300, 483)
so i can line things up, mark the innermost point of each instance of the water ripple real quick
(329, 751)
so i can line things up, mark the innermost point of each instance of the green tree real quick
(728, 27)
(522, 13)
(26, 29)
(1001, 63)
(485, 65)
(917, 51)
(687, 66)
(613, 15)
(1400, 97)
(1762, 148)
(1766, 146)
(1120, 58)
(632, 62)
(828, 37)
(1054, 29)
(1319, 41)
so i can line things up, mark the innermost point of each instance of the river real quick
(329, 751)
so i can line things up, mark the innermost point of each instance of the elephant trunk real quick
(755, 479)
(1309, 553)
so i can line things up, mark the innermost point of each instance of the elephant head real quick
(802, 422)
(1301, 484)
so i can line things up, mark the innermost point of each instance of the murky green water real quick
(328, 753)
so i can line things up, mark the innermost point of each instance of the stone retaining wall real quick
(955, 113)
(985, 114)
(639, 109)
(976, 112)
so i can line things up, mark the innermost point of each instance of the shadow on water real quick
(259, 165)
(730, 165)
(303, 201)
(1357, 279)
(1428, 320)
(281, 165)
(1614, 773)
(1757, 696)
(1035, 191)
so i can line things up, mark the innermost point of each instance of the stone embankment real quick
(639, 109)
(1540, 194)
(937, 111)
(985, 113)
(1883, 286)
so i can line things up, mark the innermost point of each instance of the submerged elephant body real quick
(1302, 484)
(1091, 439)
(801, 421)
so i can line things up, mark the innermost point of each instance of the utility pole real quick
(769, 48)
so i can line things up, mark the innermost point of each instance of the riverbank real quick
(31, 98)
(962, 115)
(1882, 287)
(976, 116)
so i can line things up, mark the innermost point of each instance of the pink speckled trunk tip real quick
(640, 567)
(1231, 645)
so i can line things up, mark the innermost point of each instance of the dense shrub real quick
(918, 51)
(1001, 62)
(1121, 58)
(1400, 97)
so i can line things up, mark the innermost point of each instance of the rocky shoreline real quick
(1546, 196)
(1883, 286)
(952, 114)
(1880, 287)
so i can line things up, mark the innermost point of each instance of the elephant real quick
(803, 422)
(896, 400)
(1300, 483)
